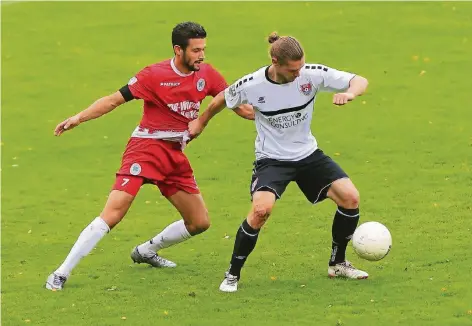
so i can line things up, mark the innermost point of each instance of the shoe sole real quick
(52, 288)
(357, 278)
(143, 262)
(137, 262)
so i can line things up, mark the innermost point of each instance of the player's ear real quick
(274, 61)
(178, 50)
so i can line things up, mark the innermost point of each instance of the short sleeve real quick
(235, 95)
(142, 85)
(329, 79)
(217, 83)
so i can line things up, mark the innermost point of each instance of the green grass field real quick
(407, 145)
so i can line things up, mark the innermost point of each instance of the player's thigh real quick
(120, 198)
(271, 176)
(317, 174)
(192, 208)
(180, 176)
(344, 193)
(262, 204)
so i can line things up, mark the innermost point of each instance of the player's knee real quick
(202, 226)
(199, 225)
(351, 199)
(261, 213)
(116, 207)
(198, 228)
(262, 210)
(112, 217)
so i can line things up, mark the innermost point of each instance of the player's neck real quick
(273, 76)
(180, 67)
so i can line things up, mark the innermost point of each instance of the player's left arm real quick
(347, 86)
(357, 87)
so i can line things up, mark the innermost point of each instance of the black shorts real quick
(313, 175)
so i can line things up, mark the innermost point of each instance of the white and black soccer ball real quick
(372, 241)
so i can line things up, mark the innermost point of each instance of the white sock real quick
(87, 240)
(171, 235)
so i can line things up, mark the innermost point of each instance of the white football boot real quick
(55, 282)
(154, 261)
(345, 269)
(229, 284)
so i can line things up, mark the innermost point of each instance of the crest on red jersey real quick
(135, 169)
(200, 84)
(306, 89)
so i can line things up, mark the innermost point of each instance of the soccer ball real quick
(372, 241)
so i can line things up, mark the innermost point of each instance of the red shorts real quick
(157, 162)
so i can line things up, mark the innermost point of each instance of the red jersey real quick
(172, 99)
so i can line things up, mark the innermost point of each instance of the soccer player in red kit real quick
(172, 91)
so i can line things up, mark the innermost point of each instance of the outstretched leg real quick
(115, 209)
(194, 221)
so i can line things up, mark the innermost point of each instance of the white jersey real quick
(283, 112)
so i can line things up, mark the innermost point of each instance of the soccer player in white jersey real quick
(283, 96)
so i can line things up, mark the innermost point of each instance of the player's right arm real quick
(217, 104)
(245, 111)
(138, 87)
(232, 97)
(97, 109)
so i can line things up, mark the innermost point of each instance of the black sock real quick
(245, 241)
(344, 224)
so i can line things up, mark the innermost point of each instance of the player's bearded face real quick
(290, 70)
(194, 54)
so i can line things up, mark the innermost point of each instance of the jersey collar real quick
(268, 78)
(181, 74)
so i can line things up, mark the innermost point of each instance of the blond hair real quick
(285, 48)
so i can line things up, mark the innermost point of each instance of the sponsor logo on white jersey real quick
(287, 120)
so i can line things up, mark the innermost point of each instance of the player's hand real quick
(67, 124)
(195, 128)
(342, 98)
